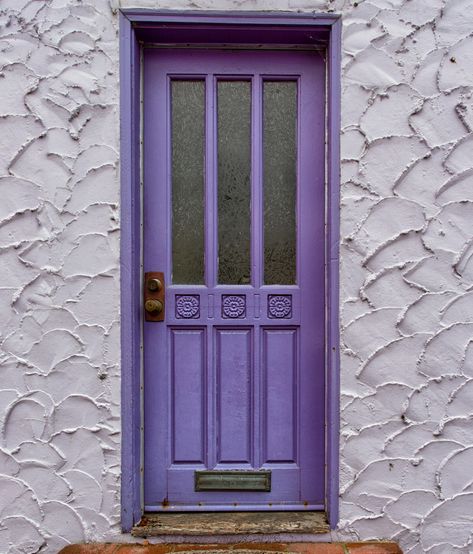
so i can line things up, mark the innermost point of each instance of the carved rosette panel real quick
(279, 306)
(187, 306)
(233, 306)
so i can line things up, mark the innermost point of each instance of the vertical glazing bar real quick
(168, 264)
(210, 183)
(211, 257)
(257, 184)
(257, 255)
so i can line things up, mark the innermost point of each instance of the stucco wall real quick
(407, 270)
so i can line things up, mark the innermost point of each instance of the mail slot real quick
(233, 481)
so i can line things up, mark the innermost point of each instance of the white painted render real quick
(406, 270)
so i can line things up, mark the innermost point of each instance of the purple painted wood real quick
(332, 254)
(232, 27)
(280, 414)
(188, 364)
(130, 276)
(234, 365)
(235, 376)
(264, 28)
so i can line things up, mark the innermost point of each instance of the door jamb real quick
(141, 26)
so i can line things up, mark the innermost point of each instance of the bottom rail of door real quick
(236, 507)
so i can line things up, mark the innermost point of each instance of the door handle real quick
(154, 296)
(153, 306)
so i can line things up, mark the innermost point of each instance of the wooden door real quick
(234, 375)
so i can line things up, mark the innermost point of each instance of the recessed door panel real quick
(235, 373)
(233, 211)
(281, 395)
(189, 395)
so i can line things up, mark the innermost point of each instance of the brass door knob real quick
(154, 285)
(153, 306)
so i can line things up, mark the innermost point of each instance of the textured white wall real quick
(406, 287)
(59, 278)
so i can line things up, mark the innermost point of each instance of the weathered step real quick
(249, 548)
(231, 523)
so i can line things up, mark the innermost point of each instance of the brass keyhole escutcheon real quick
(153, 306)
(154, 285)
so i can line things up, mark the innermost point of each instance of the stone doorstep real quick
(230, 523)
(243, 548)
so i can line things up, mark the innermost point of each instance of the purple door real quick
(234, 384)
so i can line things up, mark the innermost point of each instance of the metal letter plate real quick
(233, 481)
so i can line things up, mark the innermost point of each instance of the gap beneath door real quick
(231, 523)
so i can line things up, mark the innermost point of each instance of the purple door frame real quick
(138, 26)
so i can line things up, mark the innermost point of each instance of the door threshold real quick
(231, 523)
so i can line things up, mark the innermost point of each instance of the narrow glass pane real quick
(280, 181)
(234, 189)
(188, 143)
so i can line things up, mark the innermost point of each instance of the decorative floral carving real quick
(187, 306)
(279, 306)
(233, 306)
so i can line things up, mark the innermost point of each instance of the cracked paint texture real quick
(406, 270)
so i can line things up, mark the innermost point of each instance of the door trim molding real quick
(137, 28)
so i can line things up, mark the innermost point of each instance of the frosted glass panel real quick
(279, 181)
(234, 189)
(188, 140)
